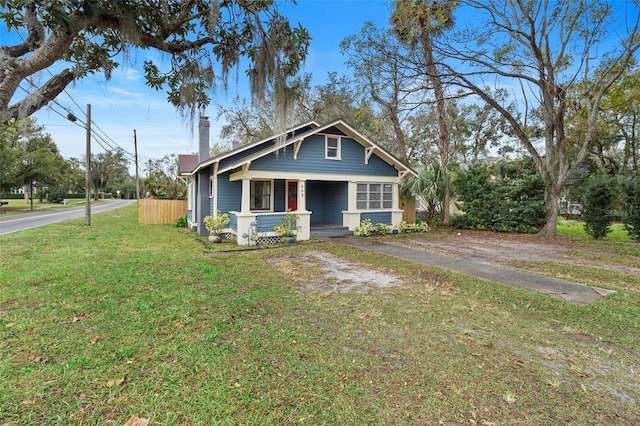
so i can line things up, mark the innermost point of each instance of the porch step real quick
(330, 231)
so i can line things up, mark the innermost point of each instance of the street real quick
(29, 220)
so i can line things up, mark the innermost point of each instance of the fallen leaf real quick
(36, 359)
(121, 381)
(11, 324)
(94, 340)
(137, 421)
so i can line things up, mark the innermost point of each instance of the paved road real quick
(21, 222)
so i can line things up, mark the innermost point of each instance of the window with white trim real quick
(374, 196)
(332, 147)
(192, 193)
(261, 191)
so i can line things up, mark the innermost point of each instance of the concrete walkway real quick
(559, 289)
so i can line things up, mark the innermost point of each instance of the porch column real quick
(395, 197)
(351, 217)
(302, 201)
(203, 204)
(396, 213)
(246, 196)
(353, 197)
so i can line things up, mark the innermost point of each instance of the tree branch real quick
(41, 97)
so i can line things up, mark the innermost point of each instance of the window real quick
(374, 196)
(261, 194)
(332, 148)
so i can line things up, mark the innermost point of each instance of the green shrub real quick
(181, 222)
(504, 197)
(55, 195)
(597, 201)
(631, 216)
(365, 229)
(381, 229)
(408, 228)
(10, 196)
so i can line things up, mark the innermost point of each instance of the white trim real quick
(246, 197)
(264, 175)
(286, 193)
(368, 152)
(348, 131)
(271, 196)
(215, 187)
(338, 147)
(190, 194)
(381, 201)
(245, 167)
(243, 221)
(296, 147)
(313, 124)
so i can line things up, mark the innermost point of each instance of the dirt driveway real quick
(510, 249)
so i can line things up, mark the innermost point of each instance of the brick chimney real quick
(203, 141)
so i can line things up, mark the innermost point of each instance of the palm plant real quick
(431, 184)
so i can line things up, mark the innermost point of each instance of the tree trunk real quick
(551, 199)
(443, 124)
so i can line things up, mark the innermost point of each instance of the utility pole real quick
(87, 208)
(135, 146)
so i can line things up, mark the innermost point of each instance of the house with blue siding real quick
(329, 175)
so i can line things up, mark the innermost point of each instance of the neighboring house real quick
(330, 175)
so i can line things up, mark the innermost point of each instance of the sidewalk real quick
(559, 289)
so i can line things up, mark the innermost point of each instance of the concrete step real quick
(330, 232)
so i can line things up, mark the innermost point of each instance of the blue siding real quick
(279, 195)
(327, 200)
(377, 217)
(265, 223)
(311, 160)
(233, 222)
(229, 194)
(315, 201)
(335, 201)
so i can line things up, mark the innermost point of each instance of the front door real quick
(292, 195)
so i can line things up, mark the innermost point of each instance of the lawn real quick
(102, 323)
(21, 206)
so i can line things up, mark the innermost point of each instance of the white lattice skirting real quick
(274, 239)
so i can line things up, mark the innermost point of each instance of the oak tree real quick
(560, 58)
(201, 42)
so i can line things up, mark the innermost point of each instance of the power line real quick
(104, 140)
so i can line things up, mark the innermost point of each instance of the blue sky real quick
(124, 103)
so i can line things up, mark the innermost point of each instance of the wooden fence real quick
(408, 204)
(160, 212)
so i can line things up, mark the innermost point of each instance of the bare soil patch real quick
(497, 248)
(325, 272)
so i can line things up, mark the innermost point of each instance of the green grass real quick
(105, 322)
(575, 228)
(24, 206)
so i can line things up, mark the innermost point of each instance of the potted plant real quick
(215, 224)
(288, 227)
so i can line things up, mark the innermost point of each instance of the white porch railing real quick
(262, 223)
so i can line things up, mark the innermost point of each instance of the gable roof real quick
(248, 153)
